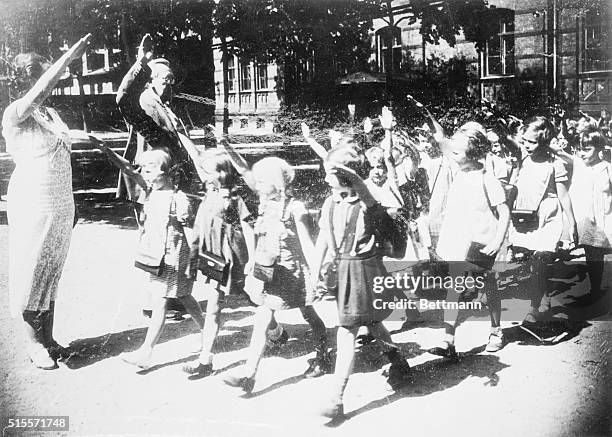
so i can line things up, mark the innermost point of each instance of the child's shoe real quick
(246, 383)
(138, 359)
(197, 369)
(445, 349)
(321, 364)
(496, 340)
(399, 373)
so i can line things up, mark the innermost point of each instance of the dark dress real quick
(360, 258)
(218, 229)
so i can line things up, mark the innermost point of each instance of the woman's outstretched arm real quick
(46, 83)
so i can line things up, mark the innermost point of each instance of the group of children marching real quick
(413, 205)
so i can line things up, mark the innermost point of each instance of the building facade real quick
(541, 51)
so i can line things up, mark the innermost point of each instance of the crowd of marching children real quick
(478, 196)
(484, 194)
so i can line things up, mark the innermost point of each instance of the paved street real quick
(526, 389)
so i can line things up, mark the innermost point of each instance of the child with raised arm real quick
(476, 219)
(352, 225)
(166, 228)
(282, 235)
(221, 227)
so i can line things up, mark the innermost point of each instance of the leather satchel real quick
(214, 267)
(264, 273)
(524, 220)
(265, 266)
(476, 257)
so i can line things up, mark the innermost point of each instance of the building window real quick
(499, 51)
(596, 43)
(245, 77)
(262, 76)
(231, 74)
(389, 49)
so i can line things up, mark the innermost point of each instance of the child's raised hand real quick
(334, 137)
(305, 130)
(367, 125)
(145, 49)
(217, 132)
(414, 101)
(386, 118)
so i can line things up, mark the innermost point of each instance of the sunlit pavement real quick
(525, 389)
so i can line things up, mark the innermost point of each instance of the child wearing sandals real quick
(221, 227)
(475, 212)
(166, 221)
(357, 224)
(283, 241)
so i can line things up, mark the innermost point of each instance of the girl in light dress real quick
(166, 228)
(475, 212)
(543, 187)
(592, 195)
(281, 236)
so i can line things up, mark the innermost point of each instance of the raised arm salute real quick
(40, 206)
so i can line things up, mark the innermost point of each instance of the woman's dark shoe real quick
(244, 382)
(58, 352)
(197, 369)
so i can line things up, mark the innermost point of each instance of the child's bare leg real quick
(345, 359)
(258, 339)
(211, 327)
(193, 308)
(142, 356)
(158, 318)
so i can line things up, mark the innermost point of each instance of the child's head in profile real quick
(220, 173)
(468, 146)
(592, 146)
(156, 169)
(348, 157)
(273, 177)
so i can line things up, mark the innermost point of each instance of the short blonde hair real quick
(275, 170)
(160, 156)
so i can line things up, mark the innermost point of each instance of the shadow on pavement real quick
(104, 209)
(88, 351)
(435, 376)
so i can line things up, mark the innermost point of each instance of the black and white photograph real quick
(322, 218)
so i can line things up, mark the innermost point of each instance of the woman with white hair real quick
(40, 200)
